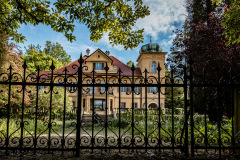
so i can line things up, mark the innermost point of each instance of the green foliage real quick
(174, 96)
(30, 127)
(56, 51)
(3, 48)
(53, 52)
(12, 58)
(101, 16)
(231, 20)
(115, 123)
(57, 100)
(217, 2)
(129, 63)
(231, 23)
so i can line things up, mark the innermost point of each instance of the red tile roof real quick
(73, 67)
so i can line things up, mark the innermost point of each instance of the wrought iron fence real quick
(205, 122)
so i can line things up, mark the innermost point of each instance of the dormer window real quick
(98, 66)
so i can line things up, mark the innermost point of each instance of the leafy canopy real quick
(231, 21)
(115, 17)
(56, 51)
(12, 58)
(53, 52)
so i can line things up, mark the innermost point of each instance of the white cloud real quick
(168, 41)
(164, 14)
(105, 41)
(73, 48)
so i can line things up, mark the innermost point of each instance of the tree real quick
(129, 63)
(57, 100)
(3, 48)
(174, 95)
(115, 17)
(35, 57)
(12, 58)
(231, 20)
(197, 11)
(56, 51)
(212, 61)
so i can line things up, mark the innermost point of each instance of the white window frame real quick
(153, 90)
(123, 89)
(98, 66)
(72, 89)
(153, 67)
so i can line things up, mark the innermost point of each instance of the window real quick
(135, 105)
(103, 89)
(84, 103)
(72, 89)
(129, 89)
(99, 104)
(90, 90)
(153, 67)
(111, 104)
(152, 89)
(73, 104)
(98, 66)
(137, 90)
(123, 89)
(123, 105)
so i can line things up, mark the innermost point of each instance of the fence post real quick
(191, 106)
(185, 113)
(236, 114)
(159, 107)
(8, 106)
(50, 107)
(119, 109)
(132, 89)
(146, 109)
(78, 139)
(23, 97)
(106, 107)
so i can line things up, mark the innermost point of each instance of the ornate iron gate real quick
(38, 127)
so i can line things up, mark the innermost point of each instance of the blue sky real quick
(166, 16)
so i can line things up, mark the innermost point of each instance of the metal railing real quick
(34, 125)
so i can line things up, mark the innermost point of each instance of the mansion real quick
(149, 57)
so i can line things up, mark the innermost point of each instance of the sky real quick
(165, 17)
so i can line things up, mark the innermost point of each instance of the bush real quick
(115, 123)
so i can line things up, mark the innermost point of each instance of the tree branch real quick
(20, 7)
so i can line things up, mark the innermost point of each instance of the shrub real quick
(115, 123)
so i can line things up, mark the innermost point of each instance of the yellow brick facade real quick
(144, 60)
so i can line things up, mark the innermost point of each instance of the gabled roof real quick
(72, 68)
(101, 52)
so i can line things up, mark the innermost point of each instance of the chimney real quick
(107, 53)
(88, 52)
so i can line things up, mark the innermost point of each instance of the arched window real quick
(153, 67)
